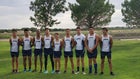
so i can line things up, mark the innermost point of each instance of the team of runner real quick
(53, 46)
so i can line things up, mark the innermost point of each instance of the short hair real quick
(47, 29)
(78, 28)
(25, 30)
(56, 33)
(14, 30)
(67, 29)
(104, 28)
(91, 27)
(37, 30)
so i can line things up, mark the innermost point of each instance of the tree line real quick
(84, 13)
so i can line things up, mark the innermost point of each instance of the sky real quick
(16, 14)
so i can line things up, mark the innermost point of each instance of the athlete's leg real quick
(66, 61)
(46, 61)
(72, 64)
(24, 62)
(30, 62)
(13, 61)
(41, 63)
(16, 64)
(90, 65)
(52, 61)
(95, 65)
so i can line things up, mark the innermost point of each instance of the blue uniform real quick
(26, 50)
(105, 47)
(38, 47)
(48, 45)
(79, 39)
(91, 43)
(57, 49)
(14, 48)
(68, 47)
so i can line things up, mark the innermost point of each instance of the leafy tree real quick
(91, 13)
(45, 10)
(131, 13)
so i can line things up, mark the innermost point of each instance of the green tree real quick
(45, 10)
(91, 13)
(131, 13)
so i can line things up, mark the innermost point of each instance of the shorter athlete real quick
(106, 43)
(14, 50)
(57, 46)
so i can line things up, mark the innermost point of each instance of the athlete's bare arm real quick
(96, 44)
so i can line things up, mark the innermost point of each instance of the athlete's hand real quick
(90, 50)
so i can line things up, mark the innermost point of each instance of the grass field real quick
(125, 57)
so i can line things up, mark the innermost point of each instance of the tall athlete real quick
(106, 42)
(68, 42)
(14, 50)
(27, 42)
(57, 45)
(37, 40)
(48, 50)
(91, 43)
(79, 39)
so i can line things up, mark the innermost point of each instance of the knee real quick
(78, 60)
(102, 62)
(109, 61)
(94, 60)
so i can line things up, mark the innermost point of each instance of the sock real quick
(29, 68)
(90, 68)
(95, 67)
(77, 68)
(83, 69)
(24, 68)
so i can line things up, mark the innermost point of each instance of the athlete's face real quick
(104, 32)
(38, 33)
(26, 33)
(91, 30)
(56, 36)
(47, 32)
(14, 34)
(78, 31)
(67, 32)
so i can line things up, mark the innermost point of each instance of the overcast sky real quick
(16, 14)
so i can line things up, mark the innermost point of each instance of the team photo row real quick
(54, 47)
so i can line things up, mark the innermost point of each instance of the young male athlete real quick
(57, 46)
(106, 42)
(68, 42)
(91, 43)
(48, 50)
(79, 39)
(27, 42)
(14, 50)
(37, 40)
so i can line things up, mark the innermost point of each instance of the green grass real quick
(125, 58)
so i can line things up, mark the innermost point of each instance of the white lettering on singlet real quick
(14, 46)
(38, 43)
(105, 43)
(79, 41)
(57, 45)
(27, 43)
(47, 41)
(68, 46)
(91, 40)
